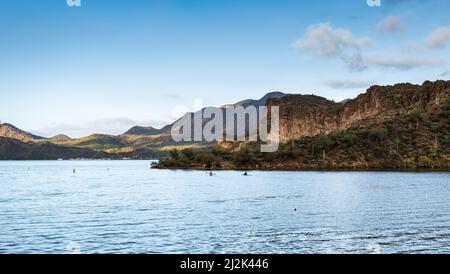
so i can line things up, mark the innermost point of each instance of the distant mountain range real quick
(136, 143)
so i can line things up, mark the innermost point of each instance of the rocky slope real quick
(302, 116)
(10, 131)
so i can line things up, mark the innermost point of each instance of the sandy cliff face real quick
(307, 115)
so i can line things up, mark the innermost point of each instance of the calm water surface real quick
(45, 208)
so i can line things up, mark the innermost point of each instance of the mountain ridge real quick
(304, 119)
(137, 142)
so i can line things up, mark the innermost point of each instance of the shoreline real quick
(155, 167)
(309, 170)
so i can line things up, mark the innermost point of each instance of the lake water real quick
(46, 208)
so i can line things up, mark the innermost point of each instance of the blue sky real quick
(111, 64)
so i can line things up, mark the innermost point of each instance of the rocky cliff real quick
(308, 115)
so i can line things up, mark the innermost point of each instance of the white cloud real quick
(391, 24)
(439, 38)
(402, 62)
(348, 83)
(327, 41)
(324, 40)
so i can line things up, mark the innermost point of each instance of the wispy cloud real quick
(326, 41)
(348, 83)
(391, 23)
(402, 62)
(439, 37)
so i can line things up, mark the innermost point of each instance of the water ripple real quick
(49, 210)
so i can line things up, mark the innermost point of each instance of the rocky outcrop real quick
(308, 115)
